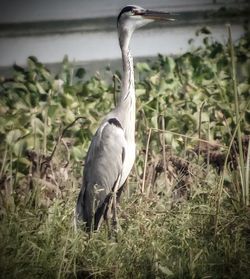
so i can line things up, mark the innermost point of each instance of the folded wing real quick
(103, 167)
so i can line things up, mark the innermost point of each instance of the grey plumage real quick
(106, 152)
(112, 151)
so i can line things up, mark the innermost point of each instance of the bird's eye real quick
(136, 12)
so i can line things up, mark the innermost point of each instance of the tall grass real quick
(185, 211)
(244, 186)
(154, 241)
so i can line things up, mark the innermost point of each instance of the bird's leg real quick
(108, 228)
(114, 207)
(92, 221)
(115, 220)
(120, 191)
(108, 216)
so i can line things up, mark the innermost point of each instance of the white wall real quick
(101, 45)
(39, 10)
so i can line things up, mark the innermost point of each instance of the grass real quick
(185, 212)
(155, 241)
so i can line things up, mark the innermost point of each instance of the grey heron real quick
(111, 154)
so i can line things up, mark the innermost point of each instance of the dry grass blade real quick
(190, 137)
(236, 102)
(145, 162)
(199, 230)
(222, 177)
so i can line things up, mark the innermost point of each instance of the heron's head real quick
(132, 17)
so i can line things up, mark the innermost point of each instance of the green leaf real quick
(46, 74)
(69, 116)
(19, 147)
(18, 68)
(32, 87)
(40, 88)
(140, 92)
(244, 88)
(77, 153)
(169, 64)
(204, 117)
(80, 73)
(205, 30)
(57, 85)
(165, 270)
(32, 62)
(53, 109)
(247, 116)
(19, 86)
(33, 59)
(37, 126)
(13, 136)
(67, 100)
(143, 67)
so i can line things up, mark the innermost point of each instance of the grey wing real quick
(103, 166)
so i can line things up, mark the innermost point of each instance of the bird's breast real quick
(129, 160)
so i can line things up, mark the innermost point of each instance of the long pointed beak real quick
(148, 14)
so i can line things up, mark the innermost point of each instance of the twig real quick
(236, 100)
(4, 160)
(248, 174)
(61, 136)
(68, 153)
(199, 128)
(208, 149)
(145, 163)
(164, 153)
(227, 225)
(220, 187)
(189, 137)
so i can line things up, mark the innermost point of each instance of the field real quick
(185, 212)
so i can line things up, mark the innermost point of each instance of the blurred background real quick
(85, 30)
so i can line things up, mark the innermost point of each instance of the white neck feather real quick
(126, 101)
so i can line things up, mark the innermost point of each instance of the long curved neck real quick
(126, 102)
(128, 84)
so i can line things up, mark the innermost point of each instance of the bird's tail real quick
(91, 220)
(79, 210)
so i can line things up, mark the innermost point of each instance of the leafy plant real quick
(184, 213)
